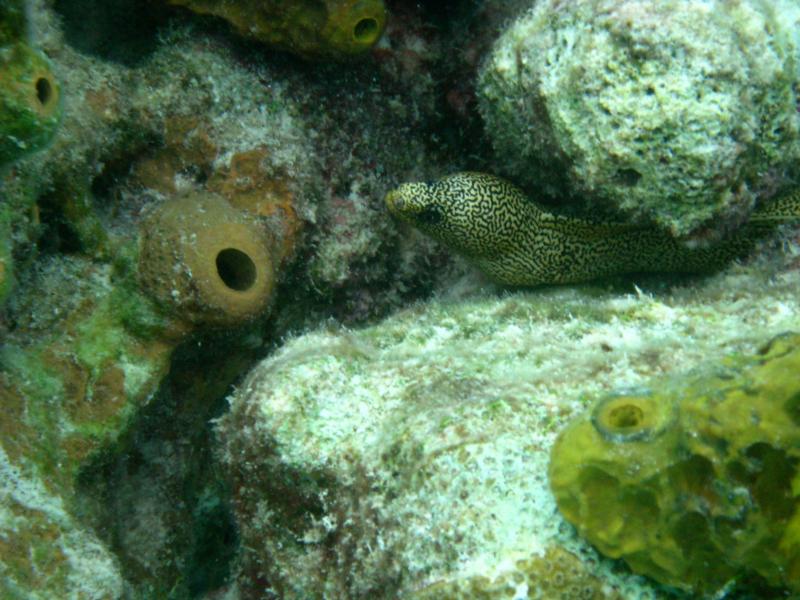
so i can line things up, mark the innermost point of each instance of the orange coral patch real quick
(247, 185)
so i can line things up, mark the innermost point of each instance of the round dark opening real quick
(44, 91)
(625, 417)
(236, 269)
(628, 177)
(365, 30)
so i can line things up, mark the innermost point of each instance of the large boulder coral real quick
(674, 112)
(408, 459)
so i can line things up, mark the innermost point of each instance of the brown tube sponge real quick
(209, 262)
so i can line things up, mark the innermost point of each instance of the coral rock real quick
(695, 482)
(674, 112)
(207, 261)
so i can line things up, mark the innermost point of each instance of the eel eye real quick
(430, 215)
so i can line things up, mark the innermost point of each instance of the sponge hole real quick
(44, 91)
(625, 417)
(366, 30)
(236, 269)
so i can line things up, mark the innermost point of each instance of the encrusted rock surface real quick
(675, 112)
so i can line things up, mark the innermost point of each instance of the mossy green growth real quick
(30, 101)
(79, 384)
(556, 574)
(695, 481)
(12, 21)
(6, 260)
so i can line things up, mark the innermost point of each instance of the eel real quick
(517, 242)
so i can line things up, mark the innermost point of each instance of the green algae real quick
(6, 260)
(12, 22)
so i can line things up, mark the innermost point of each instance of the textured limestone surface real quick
(673, 112)
(408, 458)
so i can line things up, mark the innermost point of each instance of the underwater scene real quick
(399, 299)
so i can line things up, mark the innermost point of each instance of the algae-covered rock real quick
(12, 22)
(311, 28)
(407, 459)
(674, 112)
(44, 550)
(68, 392)
(693, 482)
(6, 260)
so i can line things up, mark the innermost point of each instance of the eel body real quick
(517, 242)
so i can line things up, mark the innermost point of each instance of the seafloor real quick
(227, 371)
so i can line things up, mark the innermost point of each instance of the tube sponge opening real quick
(207, 261)
(631, 417)
(236, 269)
(353, 27)
(366, 31)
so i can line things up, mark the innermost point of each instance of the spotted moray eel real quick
(517, 242)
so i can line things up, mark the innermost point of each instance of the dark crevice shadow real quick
(122, 31)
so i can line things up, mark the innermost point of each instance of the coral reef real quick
(310, 28)
(6, 260)
(69, 393)
(107, 418)
(408, 457)
(405, 458)
(693, 482)
(673, 112)
(84, 349)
